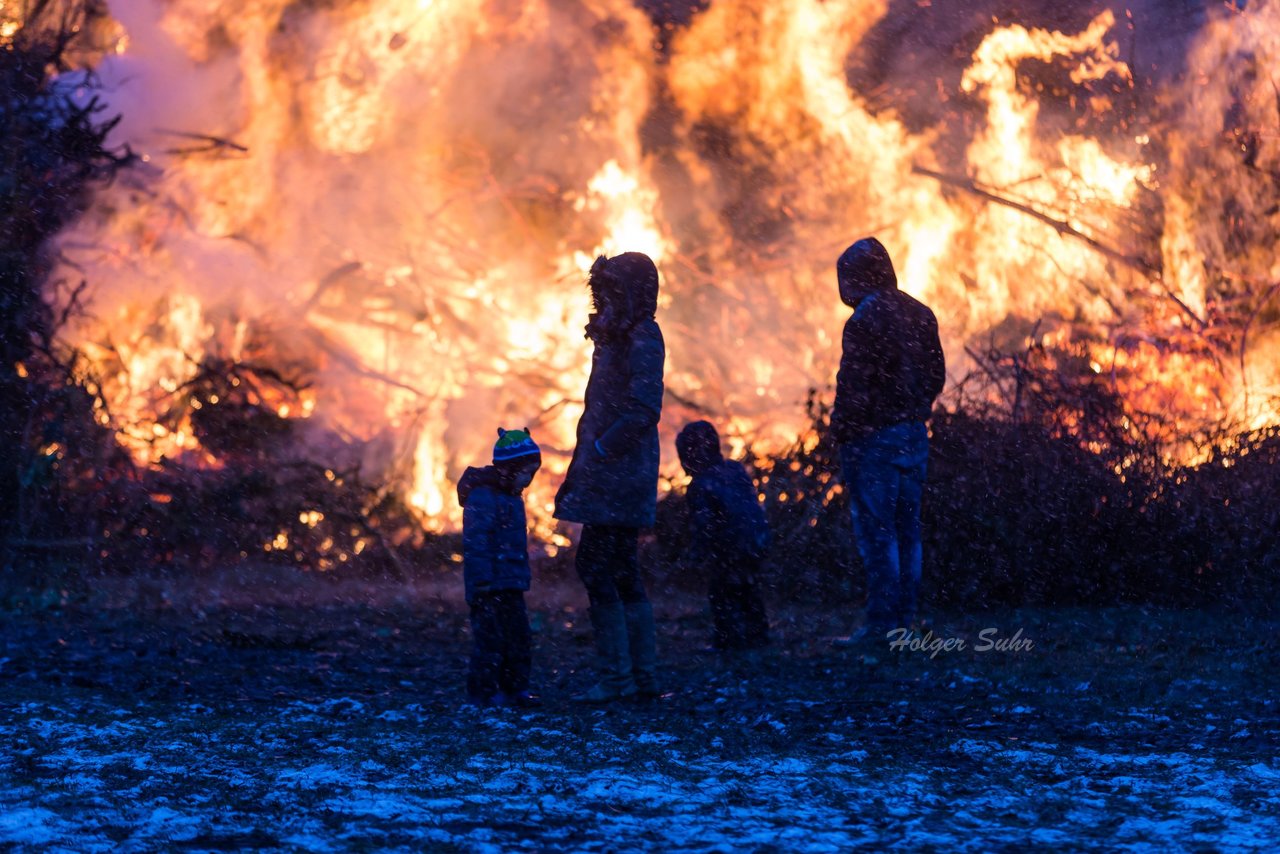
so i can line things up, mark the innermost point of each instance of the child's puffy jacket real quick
(726, 521)
(495, 553)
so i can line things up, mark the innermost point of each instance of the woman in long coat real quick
(612, 483)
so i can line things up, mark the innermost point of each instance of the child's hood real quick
(699, 448)
(474, 478)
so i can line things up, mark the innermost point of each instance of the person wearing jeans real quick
(885, 474)
(891, 370)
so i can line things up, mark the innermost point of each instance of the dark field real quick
(327, 725)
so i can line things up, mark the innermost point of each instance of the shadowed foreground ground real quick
(335, 726)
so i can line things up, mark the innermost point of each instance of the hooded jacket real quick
(613, 476)
(495, 553)
(892, 367)
(727, 526)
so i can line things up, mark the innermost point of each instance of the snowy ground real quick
(344, 728)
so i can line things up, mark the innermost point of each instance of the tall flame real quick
(403, 198)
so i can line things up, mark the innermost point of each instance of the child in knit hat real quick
(495, 570)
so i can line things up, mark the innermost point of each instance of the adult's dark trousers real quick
(608, 563)
(500, 645)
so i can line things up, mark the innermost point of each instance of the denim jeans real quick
(884, 473)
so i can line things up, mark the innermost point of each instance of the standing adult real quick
(611, 486)
(891, 370)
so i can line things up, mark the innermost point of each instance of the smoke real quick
(1224, 189)
(401, 200)
(390, 196)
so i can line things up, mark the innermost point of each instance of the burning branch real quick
(686, 402)
(353, 364)
(208, 144)
(1134, 262)
(968, 185)
(1243, 349)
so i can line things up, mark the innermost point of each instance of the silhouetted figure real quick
(612, 482)
(728, 537)
(495, 570)
(891, 370)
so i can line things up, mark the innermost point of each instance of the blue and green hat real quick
(513, 444)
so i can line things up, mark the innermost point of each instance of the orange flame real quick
(406, 195)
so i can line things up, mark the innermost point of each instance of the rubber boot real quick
(642, 636)
(613, 656)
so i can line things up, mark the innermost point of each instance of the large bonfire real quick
(387, 210)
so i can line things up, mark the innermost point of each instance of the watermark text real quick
(989, 640)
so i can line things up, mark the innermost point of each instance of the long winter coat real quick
(495, 553)
(892, 367)
(613, 476)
